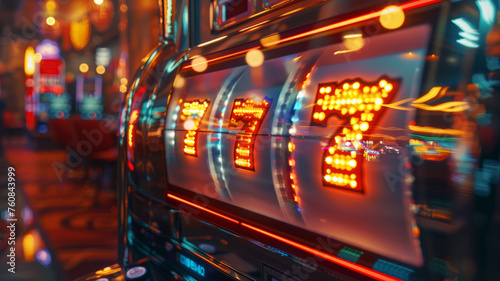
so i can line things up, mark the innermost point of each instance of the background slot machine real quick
(89, 97)
(49, 99)
(311, 140)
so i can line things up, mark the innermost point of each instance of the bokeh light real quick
(50, 21)
(199, 64)
(392, 17)
(84, 67)
(51, 5)
(270, 40)
(179, 82)
(254, 58)
(29, 62)
(123, 88)
(37, 57)
(100, 69)
(189, 124)
(354, 41)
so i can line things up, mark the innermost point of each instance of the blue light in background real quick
(487, 10)
(467, 43)
(42, 128)
(469, 35)
(464, 25)
(43, 257)
(5, 215)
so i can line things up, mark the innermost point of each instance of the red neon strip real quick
(202, 208)
(355, 267)
(417, 4)
(358, 19)
(223, 57)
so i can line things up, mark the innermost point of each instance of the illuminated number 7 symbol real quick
(251, 115)
(192, 113)
(360, 104)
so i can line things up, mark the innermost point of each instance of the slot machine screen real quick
(231, 11)
(304, 139)
(89, 97)
(59, 105)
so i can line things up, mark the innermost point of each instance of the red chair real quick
(99, 148)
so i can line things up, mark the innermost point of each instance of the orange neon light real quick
(133, 119)
(360, 103)
(191, 114)
(373, 15)
(222, 57)
(352, 266)
(438, 131)
(202, 208)
(251, 115)
(291, 166)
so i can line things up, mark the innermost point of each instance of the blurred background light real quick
(43, 257)
(37, 57)
(103, 56)
(80, 33)
(392, 17)
(487, 10)
(353, 41)
(51, 5)
(29, 61)
(50, 21)
(84, 67)
(100, 69)
(199, 64)
(254, 58)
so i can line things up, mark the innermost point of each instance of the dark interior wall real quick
(143, 30)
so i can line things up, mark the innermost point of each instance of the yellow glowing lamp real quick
(29, 61)
(80, 33)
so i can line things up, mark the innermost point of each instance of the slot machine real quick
(89, 97)
(311, 140)
(47, 97)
